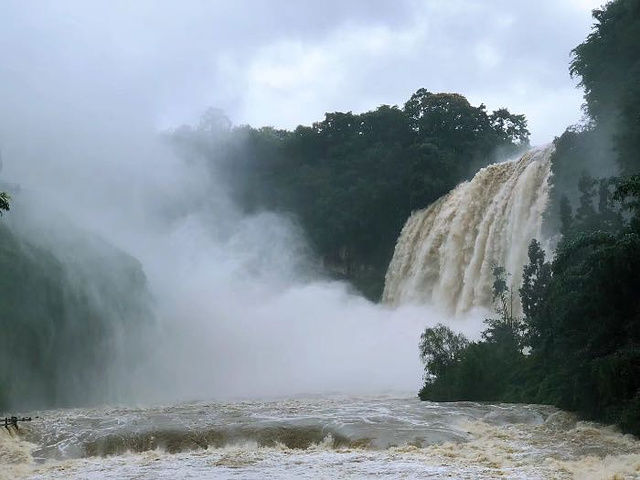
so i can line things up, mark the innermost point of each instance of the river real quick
(384, 436)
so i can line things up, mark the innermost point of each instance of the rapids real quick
(310, 437)
(446, 252)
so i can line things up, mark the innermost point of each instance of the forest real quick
(351, 180)
(577, 344)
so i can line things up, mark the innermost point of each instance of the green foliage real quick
(62, 323)
(507, 330)
(502, 294)
(629, 190)
(591, 317)
(481, 371)
(566, 215)
(581, 325)
(536, 277)
(584, 153)
(608, 64)
(581, 331)
(352, 180)
(628, 194)
(440, 348)
(597, 207)
(608, 59)
(509, 127)
(4, 202)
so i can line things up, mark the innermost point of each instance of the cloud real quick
(282, 63)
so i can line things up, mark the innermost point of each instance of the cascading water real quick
(446, 252)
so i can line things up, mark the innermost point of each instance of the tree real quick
(352, 179)
(536, 277)
(628, 194)
(4, 202)
(566, 215)
(591, 321)
(440, 348)
(605, 60)
(510, 128)
(608, 64)
(586, 209)
(448, 120)
(506, 331)
(581, 311)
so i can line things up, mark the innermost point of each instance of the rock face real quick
(71, 317)
(445, 253)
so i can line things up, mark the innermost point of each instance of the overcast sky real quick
(281, 63)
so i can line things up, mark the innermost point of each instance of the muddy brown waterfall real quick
(446, 252)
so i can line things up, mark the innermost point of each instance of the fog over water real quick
(237, 307)
(240, 309)
(85, 91)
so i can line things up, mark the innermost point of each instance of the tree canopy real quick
(580, 333)
(352, 179)
(4, 202)
(608, 64)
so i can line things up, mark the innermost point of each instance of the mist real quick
(239, 308)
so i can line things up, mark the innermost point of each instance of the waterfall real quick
(446, 252)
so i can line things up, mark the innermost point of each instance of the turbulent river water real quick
(389, 436)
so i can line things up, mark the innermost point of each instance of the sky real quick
(73, 63)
